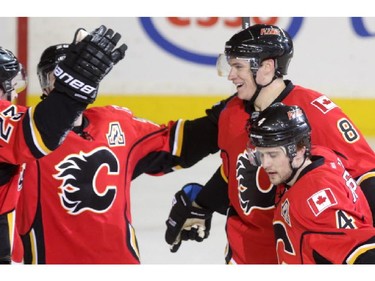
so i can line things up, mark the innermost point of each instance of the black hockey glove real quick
(186, 220)
(90, 57)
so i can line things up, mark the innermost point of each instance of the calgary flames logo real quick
(79, 176)
(254, 188)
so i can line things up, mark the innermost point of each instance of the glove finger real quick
(112, 41)
(119, 53)
(91, 71)
(174, 247)
(79, 35)
(116, 38)
(190, 234)
(176, 244)
(199, 238)
(97, 62)
(200, 234)
(208, 227)
(109, 33)
(193, 234)
(106, 43)
(109, 47)
(98, 33)
(185, 235)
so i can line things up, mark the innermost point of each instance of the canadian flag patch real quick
(324, 104)
(321, 201)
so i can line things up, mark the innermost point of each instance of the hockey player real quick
(27, 134)
(258, 58)
(13, 80)
(321, 215)
(75, 207)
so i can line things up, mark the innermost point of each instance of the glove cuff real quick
(190, 210)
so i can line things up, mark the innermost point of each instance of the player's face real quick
(275, 162)
(241, 76)
(4, 96)
(18, 84)
(51, 80)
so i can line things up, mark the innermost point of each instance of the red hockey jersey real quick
(75, 204)
(251, 195)
(20, 141)
(27, 134)
(324, 217)
(17, 126)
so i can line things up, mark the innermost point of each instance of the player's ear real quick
(301, 152)
(269, 64)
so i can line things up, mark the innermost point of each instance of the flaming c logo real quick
(78, 174)
(254, 188)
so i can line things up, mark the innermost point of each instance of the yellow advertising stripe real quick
(360, 112)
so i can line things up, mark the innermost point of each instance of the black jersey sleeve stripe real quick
(32, 135)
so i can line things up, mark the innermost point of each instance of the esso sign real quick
(200, 40)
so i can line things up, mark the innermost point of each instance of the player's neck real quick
(303, 165)
(268, 94)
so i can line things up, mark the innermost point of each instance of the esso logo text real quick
(201, 40)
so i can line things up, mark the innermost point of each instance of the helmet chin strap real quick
(259, 88)
(8, 96)
(294, 170)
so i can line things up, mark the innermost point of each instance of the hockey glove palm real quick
(90, 57)
(187, 221)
